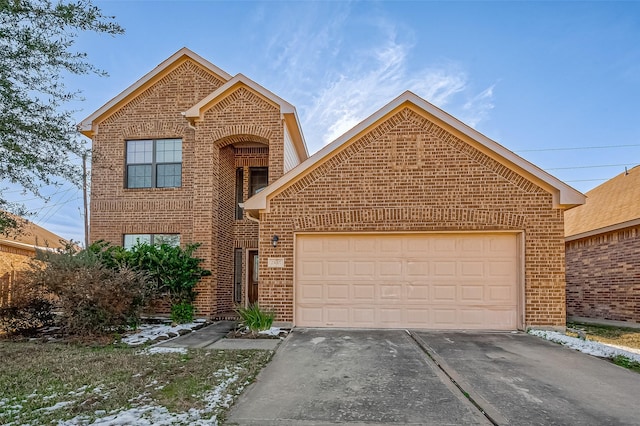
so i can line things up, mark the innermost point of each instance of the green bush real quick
(182, 312)
(254, 318)
(174, 270)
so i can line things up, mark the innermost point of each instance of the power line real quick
(578, 148)
(592, 167)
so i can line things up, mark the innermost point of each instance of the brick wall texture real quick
(408, 174)
(404, 174)
(603, 276)
(243, 130)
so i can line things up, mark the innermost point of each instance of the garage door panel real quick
(444, 293)
(417, 293)
(444, 268)
(390, 292)
(337, 316)
(439, 281)
(364, 269)
(472, 269)
(417, 268)
(363, 293)
(472, 293)
(337, 269)
(337, 293)
(390, 269)
(312, 269)
(308, 292)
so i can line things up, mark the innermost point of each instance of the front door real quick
(252, 291)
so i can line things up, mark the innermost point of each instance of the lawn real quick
(65, 384)
(621, 336)
(618, 336)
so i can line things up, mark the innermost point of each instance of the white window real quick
(154, 163)
(130, 240)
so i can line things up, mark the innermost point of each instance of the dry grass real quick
(620, 336)
(95, 381)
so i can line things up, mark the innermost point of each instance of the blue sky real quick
(537, 77)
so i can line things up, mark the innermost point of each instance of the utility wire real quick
(592, 167)
(577, 148)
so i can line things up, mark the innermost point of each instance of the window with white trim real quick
(130, 240)
(154, 163)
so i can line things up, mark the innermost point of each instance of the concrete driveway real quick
(322, 376)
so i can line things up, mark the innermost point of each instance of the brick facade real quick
(242, 130)
(408, 174)
(603, 276)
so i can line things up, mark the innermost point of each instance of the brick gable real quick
(409, 175)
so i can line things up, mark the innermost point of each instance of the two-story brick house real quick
(411, 219)
(173, 157)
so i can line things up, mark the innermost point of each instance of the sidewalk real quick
(212, 337)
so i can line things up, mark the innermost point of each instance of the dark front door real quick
(253, 277)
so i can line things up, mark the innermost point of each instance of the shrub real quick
(182, 312)
(174, 270)
(254, 318)
(30, 309)
(92, 298)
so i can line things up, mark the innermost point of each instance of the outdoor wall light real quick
(274, 240)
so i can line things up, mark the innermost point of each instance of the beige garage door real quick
(436, 281)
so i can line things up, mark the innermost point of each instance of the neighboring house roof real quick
(613, 205)
(32, 237)
(87, 125)
(564, 195)
(196, 112)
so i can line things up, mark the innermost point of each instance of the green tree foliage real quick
(38, 136)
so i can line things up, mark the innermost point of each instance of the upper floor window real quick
(131, 240)
(258, 179)
(154, 163)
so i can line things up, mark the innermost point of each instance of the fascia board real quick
(24, 246)
(603, 230)
(86, 125)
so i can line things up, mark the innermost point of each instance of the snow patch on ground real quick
(273, 331)
(151, 414)
(164, 350)
(587, 346)
(151, 332)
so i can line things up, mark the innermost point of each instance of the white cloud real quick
(378, 76)
(478, 107)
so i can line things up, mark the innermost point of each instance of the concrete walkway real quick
(212, 337)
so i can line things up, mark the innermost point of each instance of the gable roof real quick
(613, 205)
(288, 111)
(32, 237)
(86, 125)
(564, 195)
